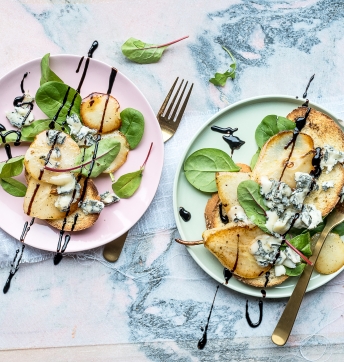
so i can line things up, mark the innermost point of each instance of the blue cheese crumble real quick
(82, 135)
(108, 198)
(330, 157)
(91, 206)
(265, 248)
(237, 213)
(327, 185)
(56, 137)
(19, 118)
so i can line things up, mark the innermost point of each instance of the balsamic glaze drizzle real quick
(52, 123)
(224, 218)
(184, 214)
(234, 142)
(267, 276)
(79, 65)
(3, 136)
(22, 82)
(94, 46)
(247, 315)
(203, 340)
(263, 293)
(17, 258)
(309, 82)
(227, 275)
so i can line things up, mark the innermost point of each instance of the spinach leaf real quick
(294, 272)
(200, 168)
(127, 184)
(270, 126)
(220, 79)
(254, 159)
(302, 243)
(144, 53)
(47, 75)
(13, 187)
(252, 202)
(339, 229)
(12, 137)
(12, 167)
(133, 125)
(30, 132)
(50, 96)
(108, 147)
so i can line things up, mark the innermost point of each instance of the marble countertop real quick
(151, 304)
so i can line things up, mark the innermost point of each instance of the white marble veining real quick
(155, 298)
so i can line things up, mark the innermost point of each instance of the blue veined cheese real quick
(91, 206)
(309, 217)
(330, 157)
(109, 198)
(56, 137)
(237, 213)
(265, 248)
(83, 135)
(304, 183)
(63, 201)
(327, 185)
(16, 117)
(276, 194)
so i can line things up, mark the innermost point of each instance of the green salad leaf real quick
(294, 272)
(108, 148)
(50, 96)
(13, 187)
(220, 79)
(47, 75)
(133, 125)
(30, 132)
(12, 167)
(145, 53)
(302, 243)
(127, 184)
(270, 126)
(252, 202)
(200, 168)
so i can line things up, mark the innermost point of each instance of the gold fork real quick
(286, 322)
(169, 124)
(168, 127)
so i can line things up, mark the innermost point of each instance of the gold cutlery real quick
(286, 322)
(168, 124)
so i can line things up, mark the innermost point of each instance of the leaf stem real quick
(75, 167)
(230, 54)
(166, 44)
(112, 177)
(144, 163)
(291, 246)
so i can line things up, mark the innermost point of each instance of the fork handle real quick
(286, 322)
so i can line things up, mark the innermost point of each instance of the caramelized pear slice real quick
(274, 156)
(123, 152)
(39, 201)
(101, 112)
(39, 149)
(232, 243)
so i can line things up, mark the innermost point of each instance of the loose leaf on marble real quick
(252, 202)
(12, 167)
(133, 125)
(220, 79)
(108, 148)
(294, 272)
(47, 75)
(270, 126)
(13, 187)
(254, 159)
(201, 166)
(145, 53)
(30, 132)
(50, 96)
(129, 183)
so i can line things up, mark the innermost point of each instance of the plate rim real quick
(160, 154)
(284, 292)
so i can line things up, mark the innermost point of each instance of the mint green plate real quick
(245, 115)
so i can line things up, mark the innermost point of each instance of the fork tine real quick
(173, 101)
(171, 119)
(163, 106)
(181, 112)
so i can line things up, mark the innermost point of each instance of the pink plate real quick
(116, 219)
